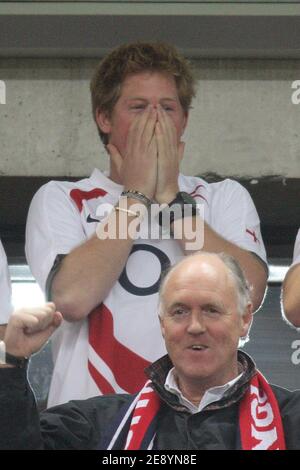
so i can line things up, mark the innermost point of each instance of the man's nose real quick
(196, 324)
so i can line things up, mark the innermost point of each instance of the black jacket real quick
(82, 424)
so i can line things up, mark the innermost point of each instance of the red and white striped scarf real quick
(259, 418)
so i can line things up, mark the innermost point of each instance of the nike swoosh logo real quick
(90, 219)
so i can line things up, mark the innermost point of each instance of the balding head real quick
(221, 267)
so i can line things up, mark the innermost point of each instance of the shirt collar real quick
(211, 395)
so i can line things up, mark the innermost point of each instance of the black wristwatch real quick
(6, 358)
(184, 205)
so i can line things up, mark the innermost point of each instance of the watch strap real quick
(184, 208)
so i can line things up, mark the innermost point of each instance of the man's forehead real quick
(199, 273)
(143, 79)
(196, 267)
(202, 287)
(199, 293)
(144, 99)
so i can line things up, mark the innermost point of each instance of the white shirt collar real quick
(211, 395)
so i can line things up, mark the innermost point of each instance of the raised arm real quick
(26, 333)
(69, 426)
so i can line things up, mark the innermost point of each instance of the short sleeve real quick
(236, 219)
(53, 227)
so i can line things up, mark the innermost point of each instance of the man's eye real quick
(168, 108)
(138, 106)
(210, 310)
(179, 312)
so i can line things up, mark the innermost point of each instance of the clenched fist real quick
(29, 329)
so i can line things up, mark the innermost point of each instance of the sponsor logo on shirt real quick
(91, 219)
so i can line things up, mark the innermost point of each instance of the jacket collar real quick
(158, 371)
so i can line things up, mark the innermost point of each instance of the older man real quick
(291, 288)
(205, 394)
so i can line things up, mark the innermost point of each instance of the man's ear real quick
(103, 121)
(162, 328)
(247, 318)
